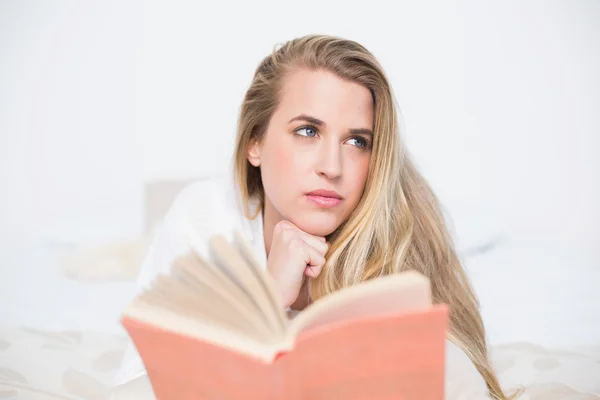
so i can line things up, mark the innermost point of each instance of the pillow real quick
(121, 259)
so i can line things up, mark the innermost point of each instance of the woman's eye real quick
(358, 142)
(306, 131)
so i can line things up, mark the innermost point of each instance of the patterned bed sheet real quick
(76, 365)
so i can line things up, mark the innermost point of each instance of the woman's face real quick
(314, 157)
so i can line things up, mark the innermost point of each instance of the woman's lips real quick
(324, 198)
(323, 201)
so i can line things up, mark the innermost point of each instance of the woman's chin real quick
(316, 225)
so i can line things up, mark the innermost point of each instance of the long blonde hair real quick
(397, 224)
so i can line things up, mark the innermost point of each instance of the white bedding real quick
(539, 293)
(37, 364)
(61, 339)
(34, 293)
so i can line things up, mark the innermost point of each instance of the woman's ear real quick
(254, 153)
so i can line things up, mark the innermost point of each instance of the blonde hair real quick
(397, 224)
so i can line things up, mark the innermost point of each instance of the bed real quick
(60, 336)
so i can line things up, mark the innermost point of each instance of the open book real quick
(213, 329)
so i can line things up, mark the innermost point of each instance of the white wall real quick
(197, 61)
(499, 99)
(70, 166)
(532, 88)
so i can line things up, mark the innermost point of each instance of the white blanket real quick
(76, 365)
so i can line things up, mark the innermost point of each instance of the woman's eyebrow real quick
(318, 122)
(361, 131)
(308, 118)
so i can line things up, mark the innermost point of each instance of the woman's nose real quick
(329, 160)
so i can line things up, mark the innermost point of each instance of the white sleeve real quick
(463, 380)
(185, 221)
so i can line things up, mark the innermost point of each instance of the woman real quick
(328, 196)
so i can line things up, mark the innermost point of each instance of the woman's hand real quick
(294, 254)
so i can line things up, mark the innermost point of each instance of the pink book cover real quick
(400, 357)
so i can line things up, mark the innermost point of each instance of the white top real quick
(210, 206)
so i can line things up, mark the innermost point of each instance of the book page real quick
(192, 291)
(230, 291)
(392, 294)
(138, 318)
(247, 253)
(251, 280)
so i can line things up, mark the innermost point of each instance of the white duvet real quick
(75, 365)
